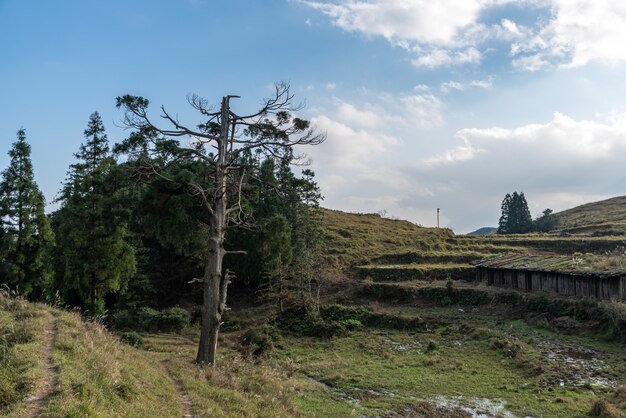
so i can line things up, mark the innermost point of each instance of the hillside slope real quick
(53, 364)
(606, 217)
(354, 238)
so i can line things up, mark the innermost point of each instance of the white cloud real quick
(562, 138)
(566, 33)
(580, 31)
(443, 57)
(355, 165)
(405, 20)
(437, 36)
(348, 147)
(423, 110)
(455, 85)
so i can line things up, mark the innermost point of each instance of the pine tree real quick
(27, 238)
(277, 256)
(94, 257)
(515, 217)
(503, 224)
(525, 220)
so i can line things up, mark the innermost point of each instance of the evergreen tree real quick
(545, 222)
(503, 224)
(94, 258)
(26, 239)
(524, 219)
(277, 256)
(515, 217)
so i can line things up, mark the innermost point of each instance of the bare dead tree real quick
(218, 142)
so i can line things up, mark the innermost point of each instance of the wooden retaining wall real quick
(606, 288)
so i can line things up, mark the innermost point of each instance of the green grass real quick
(97, 375)
(21, 342)
(237, 387)
(603, 217)
(401, 272)
(100, 376)
(355, 238)
(374, 371)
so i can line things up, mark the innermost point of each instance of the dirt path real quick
(182, 394)
(44, 388)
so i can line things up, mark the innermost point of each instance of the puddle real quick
(476, 407)
(355, 396)
(583, 366)
(411, 346)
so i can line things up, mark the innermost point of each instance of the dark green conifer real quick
(26, 238)
(94, 257)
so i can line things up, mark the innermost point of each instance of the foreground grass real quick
(237, 387)
(21, 345)
(94, 374)
(99, 376)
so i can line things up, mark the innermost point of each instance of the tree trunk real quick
(214, 297)
(211, 314)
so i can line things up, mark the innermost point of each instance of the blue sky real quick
(426, 104)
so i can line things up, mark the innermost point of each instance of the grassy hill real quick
(485, 230)
(606, 217)
(54, 364)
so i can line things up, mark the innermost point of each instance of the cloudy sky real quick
(449, 103)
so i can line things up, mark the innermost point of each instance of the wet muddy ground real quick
(470, 365)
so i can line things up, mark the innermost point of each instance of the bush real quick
(132, 338)
(123, 320)
(173, 319)
(351, 324)
(602, 408)
(335, 320)
(301, 323)
(147, 319)
(150, 320)
(259, 341)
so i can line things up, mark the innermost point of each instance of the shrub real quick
(351, 324)
(602, 408)
(123, 320)
(132, 338)
(173, 319)
(150, 320)
(259, 341)
(147, 319)
(299, 322)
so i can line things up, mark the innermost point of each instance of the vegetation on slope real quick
(354, 238)
(94, 374)
(606, 217)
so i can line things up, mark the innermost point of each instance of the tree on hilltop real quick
(515, 218)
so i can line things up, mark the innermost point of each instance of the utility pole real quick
(437, 217)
